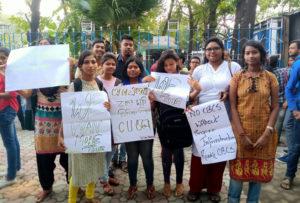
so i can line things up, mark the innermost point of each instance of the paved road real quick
(27, 187)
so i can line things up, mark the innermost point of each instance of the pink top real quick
(12, 101)
(108, 84)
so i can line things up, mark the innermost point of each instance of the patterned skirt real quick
(47, 125)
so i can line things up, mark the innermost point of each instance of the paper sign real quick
(86, 122)
(170, 89)
(131, 113)
(37, 67)
(212, 132)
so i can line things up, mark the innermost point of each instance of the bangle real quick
(270, 128)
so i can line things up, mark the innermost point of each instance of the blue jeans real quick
(280, 121)
(294, 150)
(119, 157)
(235, 190)
(134, 149)
(108, 157)
(10, 141)
(288, 124)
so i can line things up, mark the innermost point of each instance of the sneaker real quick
(282, 159)
(4, 183)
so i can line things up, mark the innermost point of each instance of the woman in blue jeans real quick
(132, 75)
(8, 110)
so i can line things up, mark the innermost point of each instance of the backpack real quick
(78, 85)
(173, 127)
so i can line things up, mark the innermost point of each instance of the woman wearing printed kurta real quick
(47, 125)
(214, 77)
(254, 108)
(85, 169)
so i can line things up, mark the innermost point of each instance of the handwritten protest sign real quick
(37, 67)
(131, 113)
(86, 122)
(171, 89)
(212, 132)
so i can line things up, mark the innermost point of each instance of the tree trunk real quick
(212, 16)
(245, 16)
(192, 29)
(35, 20)
(164, 32)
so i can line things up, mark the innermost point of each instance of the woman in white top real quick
(214, 77)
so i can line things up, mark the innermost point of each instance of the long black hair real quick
(168, 54)
(257, 45)
(135, 60)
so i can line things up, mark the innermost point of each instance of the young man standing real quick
(292, 92)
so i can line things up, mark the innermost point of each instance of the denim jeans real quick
(10, 141)
(294, 150)
(288, 124)
(119, 157)
(279, 121)
(134, 149)
(235, 190)
(108, 158)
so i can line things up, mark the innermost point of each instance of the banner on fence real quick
(212, 132)
(131, 113)
(37, 67)
(170, 89)
(86, 122)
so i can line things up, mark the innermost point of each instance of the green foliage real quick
(20, 24)
(114, 13)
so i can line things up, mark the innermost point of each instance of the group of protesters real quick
(253, 97)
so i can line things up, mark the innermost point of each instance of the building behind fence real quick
(274, 33)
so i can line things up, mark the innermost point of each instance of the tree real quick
(115, 14)
(244, 19)
(171, 7)
(35, 20)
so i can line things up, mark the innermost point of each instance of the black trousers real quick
(46, 166)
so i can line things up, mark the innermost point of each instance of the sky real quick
(15, 7)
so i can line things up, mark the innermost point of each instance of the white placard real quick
(86, 122)
(212, 132)
(131, 113)
(37, 67)
(170, 89)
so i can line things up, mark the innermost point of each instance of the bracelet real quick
(270, 128)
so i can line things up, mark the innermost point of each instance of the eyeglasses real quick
(253, 86)
(213, 49)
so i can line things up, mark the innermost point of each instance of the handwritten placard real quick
(212, 132)
(131, 113)
(86, 122)
(170, 89)
(37, 67)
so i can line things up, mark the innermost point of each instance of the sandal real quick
(43, 195)
(167, 190)
(179, 190)
(94, 200)
(131, 193)
(108, 190)
(214, 197)
(150, 192)
(286, 183)
(113, 181)
(193, 196)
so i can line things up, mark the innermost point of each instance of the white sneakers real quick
(4, 183)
